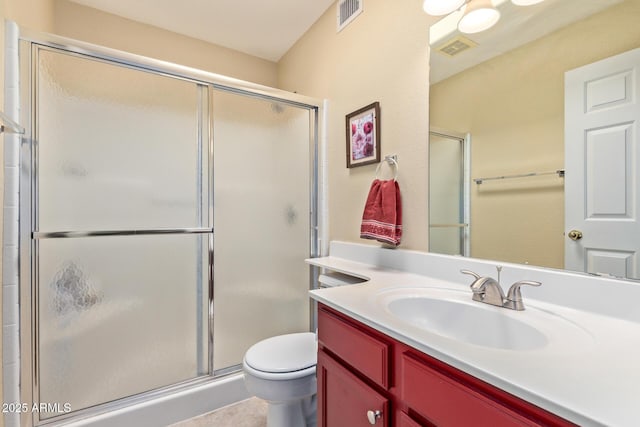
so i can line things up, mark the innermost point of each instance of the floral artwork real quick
(363, 136)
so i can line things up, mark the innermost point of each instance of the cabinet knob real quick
(374, 416)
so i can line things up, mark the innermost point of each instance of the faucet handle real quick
(478, 285)
(470, 273)
(514, 296)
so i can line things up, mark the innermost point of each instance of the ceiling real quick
(518, 25)
(266, 29)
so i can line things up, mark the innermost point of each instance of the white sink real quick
(454, 315)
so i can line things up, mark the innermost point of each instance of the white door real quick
(602, 159)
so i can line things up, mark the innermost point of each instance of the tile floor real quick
(248, 413)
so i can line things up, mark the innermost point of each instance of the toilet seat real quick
(283, 357)
(279, 376)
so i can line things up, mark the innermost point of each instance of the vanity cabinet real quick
(345, 399)
(367, 378)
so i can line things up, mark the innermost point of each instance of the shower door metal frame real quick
(29, 44)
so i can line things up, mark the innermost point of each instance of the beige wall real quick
(382, 56)
(35, 14)
(93, 26)
(513, 106)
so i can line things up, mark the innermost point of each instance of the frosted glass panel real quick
(120, 316)
(445, 240)
(118, 147)
(261, 221)
(445, 195)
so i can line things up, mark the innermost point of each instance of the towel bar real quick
(9, 126)
(392, 160)
(559, 172)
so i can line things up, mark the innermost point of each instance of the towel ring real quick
(391, 160)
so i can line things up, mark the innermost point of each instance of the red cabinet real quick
(355, 346)
(362, 372)
(345, 400)
(446, 401)
(405, 420)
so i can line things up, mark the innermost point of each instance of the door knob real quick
(374, 416)
(575, 235)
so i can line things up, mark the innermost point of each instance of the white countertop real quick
(591, 378)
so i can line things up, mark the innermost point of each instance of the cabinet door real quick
(344, 400)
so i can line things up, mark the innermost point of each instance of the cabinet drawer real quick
(447, 402)
(344, 400)
(405, 420)
(361, 350)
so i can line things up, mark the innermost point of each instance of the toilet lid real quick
(283, 353)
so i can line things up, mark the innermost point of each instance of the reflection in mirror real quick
(510, 100)
(449, 193)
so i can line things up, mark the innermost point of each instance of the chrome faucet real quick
(488, 290)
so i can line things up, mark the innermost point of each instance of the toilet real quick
(282, 371)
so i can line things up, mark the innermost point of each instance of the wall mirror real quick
(502, 93)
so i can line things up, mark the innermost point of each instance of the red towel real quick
(382, 217)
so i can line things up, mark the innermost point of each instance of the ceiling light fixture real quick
(442, 7)
(477, 15)
(525, 2)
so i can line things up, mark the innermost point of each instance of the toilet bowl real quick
(282, 371)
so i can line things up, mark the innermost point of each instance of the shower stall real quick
(164, 214)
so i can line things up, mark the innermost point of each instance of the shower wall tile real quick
(10, 310)
(11, 371)
(11, 341)
(10, 226)
(11, 392)
(10, 271)
(10, 266)
(11, 151)
(11, 178)
(11, 383)
(11, 76)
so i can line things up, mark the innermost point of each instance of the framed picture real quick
(363, 136)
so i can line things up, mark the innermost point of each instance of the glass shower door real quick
(262, 162)
(121, 230)
(448, 195)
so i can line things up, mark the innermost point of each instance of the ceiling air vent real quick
(348, 10)
(456, 45)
